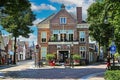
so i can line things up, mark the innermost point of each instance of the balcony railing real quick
(63, 41)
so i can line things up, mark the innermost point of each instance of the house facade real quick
(63, 35)
(3, 54)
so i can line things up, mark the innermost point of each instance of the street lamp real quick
(0, 51)
(37, 54)
(0, 47)
(113, 43)
(71, 55)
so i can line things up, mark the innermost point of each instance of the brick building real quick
(63, 34)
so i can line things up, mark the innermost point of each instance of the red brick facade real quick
(68, 36)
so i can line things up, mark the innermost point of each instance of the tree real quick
(2, 2)
(112, 14)
(100, 31)
(18, 17)
(100, 11)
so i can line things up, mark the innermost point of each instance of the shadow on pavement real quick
(6, 66)
(54, 73)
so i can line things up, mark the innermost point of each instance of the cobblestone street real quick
(27, 71)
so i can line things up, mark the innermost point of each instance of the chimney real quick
(79, 15)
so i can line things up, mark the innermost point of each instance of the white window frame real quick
(43, 52)
(82, 36)
(43, 35)
(83, 52)
(63, 20)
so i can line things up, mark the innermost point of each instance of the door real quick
(63, 55)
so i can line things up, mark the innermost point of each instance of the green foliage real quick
(53, 38)
(2, 2)
(50, 57)
(103, 32)
(117, 55)
(76, 57)
(112, 75)
(17, 17)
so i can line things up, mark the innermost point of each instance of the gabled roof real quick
(64, 10)
(46, 20)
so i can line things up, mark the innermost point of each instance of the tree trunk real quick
(14, 60)
(105, 50)
(99, 51)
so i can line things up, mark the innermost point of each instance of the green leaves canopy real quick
(18, 16)
(98, 30)
(100, 11)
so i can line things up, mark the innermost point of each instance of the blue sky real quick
(44, 8)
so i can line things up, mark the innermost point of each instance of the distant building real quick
(63, 34)
(93, 53)
(3, 54)
(23, 50)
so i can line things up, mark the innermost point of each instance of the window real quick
(43, 36)
(70, 37)
(43, 52)
(83, 52)
(63, 20)
(82, 36)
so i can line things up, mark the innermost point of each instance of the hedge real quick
(112, 75)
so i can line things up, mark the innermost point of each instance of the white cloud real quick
(40, 7)
(71, 5)
(30, 39)
(69, 2)
(85, 6)
(38, 20)
(72, 10)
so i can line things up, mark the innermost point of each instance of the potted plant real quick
(76, 58)
(50, 58)
(53, 38)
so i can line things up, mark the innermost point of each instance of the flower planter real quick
(77, 61)
(51, 63)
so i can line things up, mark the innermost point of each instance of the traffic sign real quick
(113, 49)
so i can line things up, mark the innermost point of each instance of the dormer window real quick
(63, 20)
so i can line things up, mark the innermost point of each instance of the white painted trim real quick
(56, 43)
(83, 25)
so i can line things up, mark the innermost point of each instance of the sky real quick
(44, 8)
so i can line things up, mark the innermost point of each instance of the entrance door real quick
(63, 55)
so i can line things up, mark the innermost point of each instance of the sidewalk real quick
(96, 76)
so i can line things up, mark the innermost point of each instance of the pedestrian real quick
(108, 62)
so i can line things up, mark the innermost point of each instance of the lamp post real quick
(37, 54)
(0, 48)
(113, 47)
(71, 56)
(0, 51)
